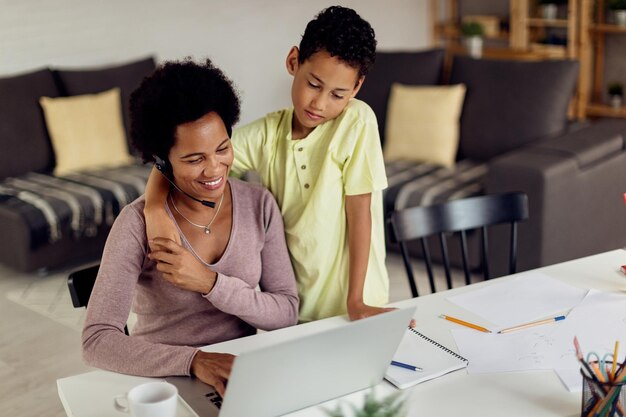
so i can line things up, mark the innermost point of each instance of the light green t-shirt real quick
(310, 178)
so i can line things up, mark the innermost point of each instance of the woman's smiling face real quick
(201, 157)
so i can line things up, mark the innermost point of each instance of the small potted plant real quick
(616, 93)
(394, 405)
(619, 11)
(549, 9)
(473, 37)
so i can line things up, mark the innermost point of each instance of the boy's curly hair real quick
(178, 92)
(342, 33)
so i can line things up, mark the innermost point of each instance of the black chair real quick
(458, 217)
(80, 284)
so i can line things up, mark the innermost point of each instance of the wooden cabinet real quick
(594, 30)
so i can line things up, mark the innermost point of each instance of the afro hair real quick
(178, 92)
(342, 33)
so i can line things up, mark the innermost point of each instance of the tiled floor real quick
(41, 337)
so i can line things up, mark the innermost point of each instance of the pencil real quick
(532, 324)
(613, 368)
(465, 323)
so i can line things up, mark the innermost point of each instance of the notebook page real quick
(419, 350)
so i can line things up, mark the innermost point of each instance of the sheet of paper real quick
(525, 350)
(571, 379)
(530, 296)
(598, 321)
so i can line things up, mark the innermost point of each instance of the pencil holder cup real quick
(603, 399)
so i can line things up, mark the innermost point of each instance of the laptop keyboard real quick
(215, 399)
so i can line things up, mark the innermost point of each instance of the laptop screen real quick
(298, 373)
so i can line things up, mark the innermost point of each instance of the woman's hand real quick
(213, 369)
(159, 224)
(181, 267)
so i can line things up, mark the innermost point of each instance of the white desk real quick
(538, 393)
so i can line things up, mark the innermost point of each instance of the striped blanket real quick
(77, 204)
(73, 205)
(421, 184)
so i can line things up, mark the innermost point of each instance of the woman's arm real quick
(158, 223)
(104, 343)
(359, 220)
(276, 305)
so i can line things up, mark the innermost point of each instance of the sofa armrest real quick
(575, 183)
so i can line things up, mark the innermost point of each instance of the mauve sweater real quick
(172, 323)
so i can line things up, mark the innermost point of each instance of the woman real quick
(202, 292)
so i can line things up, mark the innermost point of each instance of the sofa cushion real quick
(86, 131)
(412, 68)
(511, 103)
(127, 77)
(423, 123)
(607, 141)
(25, 142)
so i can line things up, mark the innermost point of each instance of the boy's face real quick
(322, 86)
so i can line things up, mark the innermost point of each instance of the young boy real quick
(323, 162)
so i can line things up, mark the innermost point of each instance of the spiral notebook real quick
(418, 349)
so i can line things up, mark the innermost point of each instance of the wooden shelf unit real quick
(604, 110)
(586, 37)
(523, 20)
(592, 45)
(540, 22)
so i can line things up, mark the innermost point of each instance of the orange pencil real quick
(613, 368)
(466, 324)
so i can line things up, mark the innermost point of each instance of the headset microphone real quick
(160, 165)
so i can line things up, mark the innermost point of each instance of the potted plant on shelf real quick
(549, 9)
(473, 37)
(619, 11)
(616, 93)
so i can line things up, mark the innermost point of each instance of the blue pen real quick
(406, 366)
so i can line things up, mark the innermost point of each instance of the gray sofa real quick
(49, 221)
(515, 136)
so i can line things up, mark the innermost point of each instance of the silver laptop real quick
(298, 373)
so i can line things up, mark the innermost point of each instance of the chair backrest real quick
(458, 216)
(80, 284)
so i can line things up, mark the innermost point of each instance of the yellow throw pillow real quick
(423, 123)
(86, 131)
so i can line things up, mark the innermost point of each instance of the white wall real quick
(248, 39)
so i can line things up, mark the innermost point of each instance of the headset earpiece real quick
(161, 164)
(164, 168)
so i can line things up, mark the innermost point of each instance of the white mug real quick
(152, 399)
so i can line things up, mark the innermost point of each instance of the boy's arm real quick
(246, 143)
(359, 220)
(158, 223)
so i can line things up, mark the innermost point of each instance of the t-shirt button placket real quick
(302, 166)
